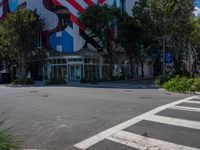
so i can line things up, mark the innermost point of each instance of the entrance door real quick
(75, 72)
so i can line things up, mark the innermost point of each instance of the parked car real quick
(5, 78)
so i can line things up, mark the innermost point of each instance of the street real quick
(124, 116)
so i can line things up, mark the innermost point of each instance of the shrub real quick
(7, 140)
(55, 81)
(84, 80)
(160, 80)
(24, 81)
(197, 84)
(179, 84)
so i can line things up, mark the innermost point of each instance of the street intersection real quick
(124, 116)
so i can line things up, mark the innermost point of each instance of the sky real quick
(197, 8)
(198, 3)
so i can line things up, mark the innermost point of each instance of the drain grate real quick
(45, 95)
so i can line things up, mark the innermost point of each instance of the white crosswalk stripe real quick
(149, 116)
(145, 143)
(174, 121)
(193, 109)
(193, 102)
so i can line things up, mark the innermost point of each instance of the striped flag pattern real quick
(76, 7)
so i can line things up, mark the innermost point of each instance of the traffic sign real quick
(168, 57)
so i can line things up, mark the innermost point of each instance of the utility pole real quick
(164, 65)
(190, 58)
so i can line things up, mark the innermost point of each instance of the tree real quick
(173, 20)
(196, 42)
(129, 39)
(19, 31)
(146, 38)
(102, 22)
(7, 51)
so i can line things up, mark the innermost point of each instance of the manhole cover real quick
(128, 91)
(45, 95)
(33, 91)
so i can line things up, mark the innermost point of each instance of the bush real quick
(197, 84)
(160, 80)
(7, 140)
(24, 81)
(55, 81)
(83, 80)
(180, 84)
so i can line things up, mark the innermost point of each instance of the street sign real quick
(168, 57)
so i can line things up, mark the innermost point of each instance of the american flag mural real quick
(74, 33)
(1, 9)
(63, 34)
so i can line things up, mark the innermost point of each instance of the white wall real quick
(1, 9)
(51, 19)
(129, 6)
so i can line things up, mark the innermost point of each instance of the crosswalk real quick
(119, 134)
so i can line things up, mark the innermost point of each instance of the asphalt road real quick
(59, 118)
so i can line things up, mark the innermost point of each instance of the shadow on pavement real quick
(130, 84)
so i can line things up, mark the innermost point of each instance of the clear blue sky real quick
(198, 3)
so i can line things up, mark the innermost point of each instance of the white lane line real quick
(174, 121)
(102, 135)
(144, 143)
(193, 102)
(194, 109)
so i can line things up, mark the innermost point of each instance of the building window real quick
(75, 59)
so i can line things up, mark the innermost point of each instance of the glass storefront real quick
(77, 68)
(71, 69)
(51, 72)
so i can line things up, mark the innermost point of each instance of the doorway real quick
(75, 72)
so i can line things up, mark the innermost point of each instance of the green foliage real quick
(160, 80)
(180, 84)
(196, 32)
(7, 139)
(173, 21)
(17, 35)
(101, 22)
(146, 37)
(197, 84)
(55, 81)
(196, 37)
(24, 81)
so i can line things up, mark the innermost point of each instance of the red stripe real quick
(76, 5)
(101, 1)
(57, 2)
(89, 2)
(75, 20)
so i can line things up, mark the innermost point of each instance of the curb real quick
(198, 93)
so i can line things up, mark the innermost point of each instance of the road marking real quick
(144, 143)
(194, 109)
(174, 121)
(193, 102)
(102, 135)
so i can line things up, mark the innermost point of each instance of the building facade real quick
(73, 54)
